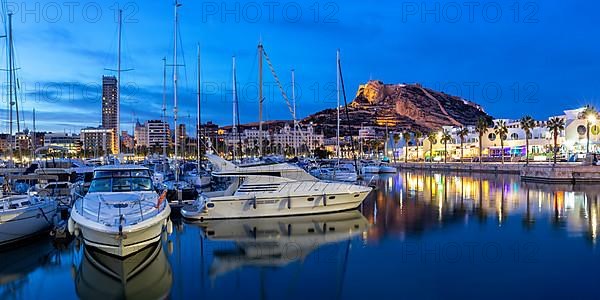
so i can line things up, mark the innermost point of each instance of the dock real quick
(494, 168)
(572, 174)
(567, 173)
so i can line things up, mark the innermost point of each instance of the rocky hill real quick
(401, 107)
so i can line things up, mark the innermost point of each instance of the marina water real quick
(418, 235)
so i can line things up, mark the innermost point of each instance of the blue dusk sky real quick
(512, 57)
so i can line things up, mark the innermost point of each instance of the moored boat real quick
(24, 216)
(121, 213)
(271, 194)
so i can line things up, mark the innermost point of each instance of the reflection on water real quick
(16, 264)
(412, 202)
(144, 275)
(278, 242)
(418, 235)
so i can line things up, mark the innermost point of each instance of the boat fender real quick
(121, 219)
(254, 203)
(170, 247)
(71, 226)
(169, 227)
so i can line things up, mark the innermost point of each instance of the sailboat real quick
(180, 191)
(338, 172)
(21, 216)
(197, 176)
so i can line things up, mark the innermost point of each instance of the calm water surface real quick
(419, 235)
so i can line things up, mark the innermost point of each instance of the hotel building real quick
(572, 140)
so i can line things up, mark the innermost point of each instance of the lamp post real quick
(590, 120)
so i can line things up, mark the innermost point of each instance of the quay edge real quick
(542, 173)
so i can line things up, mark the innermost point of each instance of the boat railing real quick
(138, 210)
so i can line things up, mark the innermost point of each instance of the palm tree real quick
(481, 128)
(396, 140)
(501, 131)
(431, 138)
(462, 133)
(445, 139)
(406, 136)
(556, 125)
(590, 115)
(418, 136)
(527, 124)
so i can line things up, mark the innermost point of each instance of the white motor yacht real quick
(23, 216)
(276, 190)
(121, 213)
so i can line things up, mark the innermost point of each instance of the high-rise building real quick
(110, 108)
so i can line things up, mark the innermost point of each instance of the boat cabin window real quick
(121, 173)
(121, 181)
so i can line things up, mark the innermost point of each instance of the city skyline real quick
(62, 57)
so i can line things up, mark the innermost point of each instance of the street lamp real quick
(591, 118)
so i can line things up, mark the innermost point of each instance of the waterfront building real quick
(98, 141)
(140, 134)
(72, 143)
(159, 134)
(280, 141)
(572, 141)
(22, 141)
(127, 141)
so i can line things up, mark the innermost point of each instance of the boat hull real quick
(132, 239)
(370, 170)
(18, 225)
(387, 170)
(274, 207)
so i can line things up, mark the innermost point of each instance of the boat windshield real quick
(121, 181)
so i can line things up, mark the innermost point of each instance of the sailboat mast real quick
(199, 140)
(10, 87)
(33, 143)
(234, 128)
(118, 133)
(175, 92)
(294, 111)
(338, 107)
(260, 99)
(164, 108)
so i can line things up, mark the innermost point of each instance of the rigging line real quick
(285, 97)
(348, 116)
(181, 48)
